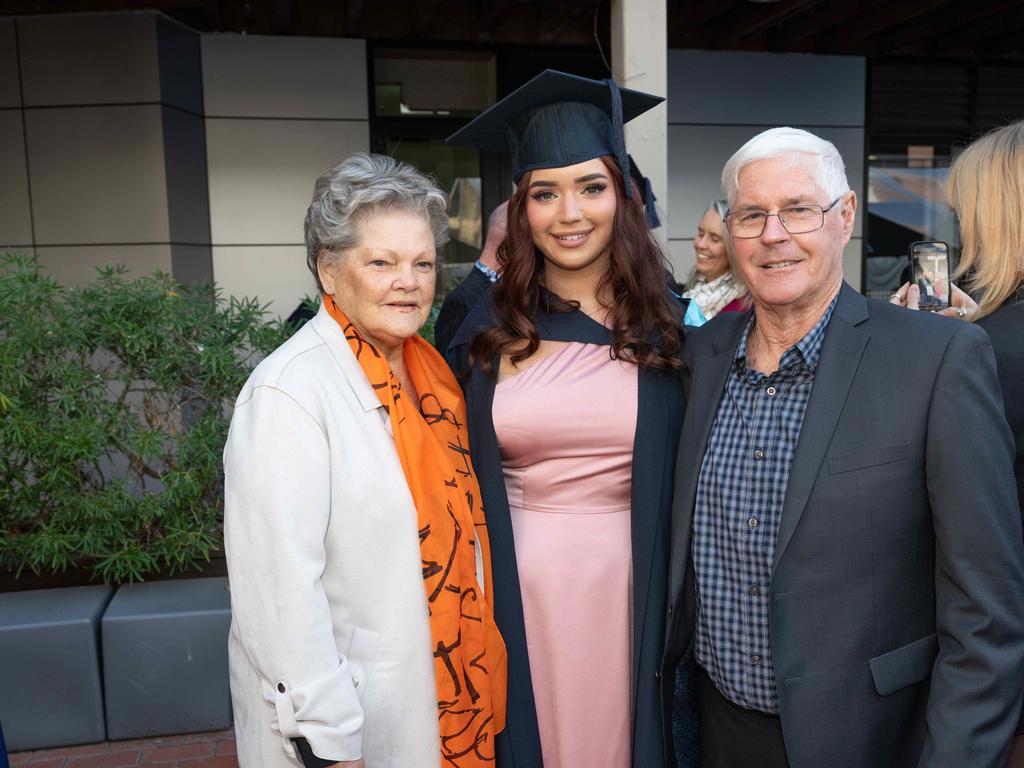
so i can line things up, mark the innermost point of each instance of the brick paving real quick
(192, 750)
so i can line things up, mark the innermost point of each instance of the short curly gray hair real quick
(360, 185)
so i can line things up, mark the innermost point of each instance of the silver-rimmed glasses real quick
(796, 219)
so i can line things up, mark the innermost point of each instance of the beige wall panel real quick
(10, 90)
(15, 219)
(681, 256)
(696, 154)
(262, 172)
(77, 265)
(274, 274)
(257, 76)
(97, 175)
(101, 58)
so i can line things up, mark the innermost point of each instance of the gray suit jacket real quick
(897, 613)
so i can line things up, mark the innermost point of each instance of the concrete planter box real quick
(165, 658)
(50, 652)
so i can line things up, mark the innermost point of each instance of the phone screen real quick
(929, 264)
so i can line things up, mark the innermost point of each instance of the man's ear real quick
(849, 214)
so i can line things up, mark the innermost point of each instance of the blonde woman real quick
(712, 285)
(986, 189)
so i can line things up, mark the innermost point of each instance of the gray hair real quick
(363, 184)
(802, 148)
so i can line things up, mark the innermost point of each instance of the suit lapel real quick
(840, 356)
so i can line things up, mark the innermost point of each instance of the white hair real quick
(802, 148)
(360, 185)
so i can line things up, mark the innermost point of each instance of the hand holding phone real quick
(929, 270)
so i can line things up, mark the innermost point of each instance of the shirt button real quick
(758, 454)
(771, 391)
(752, 522)
(755, 659)
(755, 590)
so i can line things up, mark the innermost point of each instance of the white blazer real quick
(330, 639)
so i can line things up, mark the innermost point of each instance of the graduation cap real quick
(646, 193)
(558, 119)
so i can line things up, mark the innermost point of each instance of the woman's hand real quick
(961, 305)
(350, 764)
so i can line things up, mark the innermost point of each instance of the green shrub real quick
(115, 401)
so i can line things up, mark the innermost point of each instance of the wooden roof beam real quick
(748, 19)
(891, 14)
(831, 15)
(947, 19)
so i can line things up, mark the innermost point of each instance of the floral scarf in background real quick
(712, 297)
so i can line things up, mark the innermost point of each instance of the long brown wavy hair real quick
(646, 323)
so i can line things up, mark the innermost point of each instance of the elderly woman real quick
(362, 632)
(712, 286)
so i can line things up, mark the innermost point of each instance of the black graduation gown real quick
(659, 422)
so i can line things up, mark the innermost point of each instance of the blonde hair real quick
(986, 189)
(721, 207)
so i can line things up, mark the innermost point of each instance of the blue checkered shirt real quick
(740, 493)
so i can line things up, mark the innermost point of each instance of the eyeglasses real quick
(796, 219)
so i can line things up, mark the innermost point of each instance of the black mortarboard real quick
(559, 119)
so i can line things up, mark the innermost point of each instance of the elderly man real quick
(847, 555)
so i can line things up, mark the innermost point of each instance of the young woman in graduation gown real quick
(571, 372)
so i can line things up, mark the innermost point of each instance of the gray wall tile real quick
(256, 76)
(188, 198)
(192, 263)
(262, 173)
(733, 87)
(98, 58)
(15, 216)
(180, 65)
(10, 89)
(97, 175)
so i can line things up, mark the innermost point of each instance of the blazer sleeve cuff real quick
(324, 716)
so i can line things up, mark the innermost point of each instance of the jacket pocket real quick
(904, 666)
(362, 656)
(873, 457)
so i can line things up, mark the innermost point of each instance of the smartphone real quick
(929, 270)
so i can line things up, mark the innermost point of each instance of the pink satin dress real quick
(566, 427)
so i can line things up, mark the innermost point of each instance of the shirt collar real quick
(806, 350)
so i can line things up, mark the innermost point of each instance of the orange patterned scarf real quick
(433, 446)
